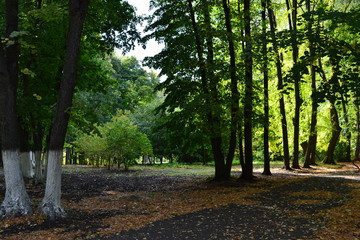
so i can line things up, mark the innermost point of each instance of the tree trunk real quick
(241, 147)
(266, 153)
(1, 159)
(335, 133)
(297, 78)
(311, 150)
(212, 115)
(234, 90)
(248, 108)
(68, 155)
(357, 148)
(280, 88)
(51, 204)
(25, 161)
(38, 173)
(221, 172)
(347, 131)
(38, 137)
(26, 164)
(16, 201)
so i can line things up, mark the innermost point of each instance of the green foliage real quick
(42, 36)
(112, 24)
(122, 85)
(118, 140)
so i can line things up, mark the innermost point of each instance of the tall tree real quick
(311, 149)
(280, 87)
(51, 204)
(234, 106)
(216, 140)
(203, 92)
(16, 201)
(357, 149)
(335, 133)
(265, 68)
(212, 116)
(297, 77)
(248, 102)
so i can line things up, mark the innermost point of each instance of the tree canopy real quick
(242, 81)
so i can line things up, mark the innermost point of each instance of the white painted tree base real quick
(38, 174)
(51, 204)
(25, 165)
(16, 202)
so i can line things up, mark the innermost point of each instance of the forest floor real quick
(182, 202)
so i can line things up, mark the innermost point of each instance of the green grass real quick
(166, 169)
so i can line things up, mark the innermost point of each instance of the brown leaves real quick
(345, 220)
(112, 209)
(141, 208)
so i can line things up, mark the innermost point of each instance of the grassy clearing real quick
(166, 169)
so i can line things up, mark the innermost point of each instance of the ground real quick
(183, 203)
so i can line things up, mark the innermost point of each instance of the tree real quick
(124, 142)
(51, 204)
(265, 69)
(293, 23)
(280, 88)
(234, 106)
(210, 92)
(311, 149)
(335, 133)
(16, 201)
(194, 87)
(248, 102)
(110, 31)
(118, 141)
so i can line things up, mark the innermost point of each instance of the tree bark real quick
(25, 161)
(266, 153)
(248, 108)
(280, 88)
(210, 91)
(335, 133)
(16, 201)
(51, 204)
(357, 149)
(234, 89)
(311, 150)
(241, 147)
(297, 78)
(221, 172)
(347, 131)
(38, 137)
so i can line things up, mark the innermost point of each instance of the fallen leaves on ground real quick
(344, 221)
(112, 210)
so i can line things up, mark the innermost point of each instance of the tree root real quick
(357, 166)
(52, 211)
(15, 208)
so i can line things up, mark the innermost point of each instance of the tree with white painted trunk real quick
(16, 201)
(51, 203)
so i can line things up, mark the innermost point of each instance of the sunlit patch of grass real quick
(175, 170)
(332, 166)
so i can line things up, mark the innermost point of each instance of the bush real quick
(119, 140)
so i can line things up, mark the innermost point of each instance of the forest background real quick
(266, 80)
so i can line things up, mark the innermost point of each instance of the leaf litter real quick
(103, 205)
